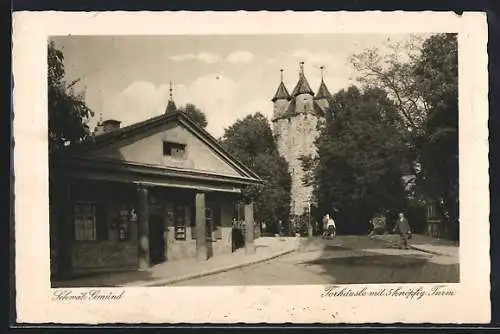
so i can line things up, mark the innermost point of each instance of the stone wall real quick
(97, 256)
(280, 107)
(296, 138)
(304, 103)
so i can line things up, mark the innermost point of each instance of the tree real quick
(421, 78)
(360, 154)
(68, 113)
(394, 72)
(437, 74)
(195, 114)
(251, 141)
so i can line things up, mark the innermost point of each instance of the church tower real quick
(295, 121)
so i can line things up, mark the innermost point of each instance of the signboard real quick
(180, 223)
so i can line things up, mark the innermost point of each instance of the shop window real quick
(90, 221)
(175, 150)
(124, 224)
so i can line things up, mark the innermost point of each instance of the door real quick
(157, 239)
(209, 231)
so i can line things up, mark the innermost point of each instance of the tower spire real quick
(170, 97)
(323, 92)
(282, 92)
(301, 68)
(302, 86)
(171, 107)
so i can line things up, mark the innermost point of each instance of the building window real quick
(124, 228)
(85, 221)
(175, 150)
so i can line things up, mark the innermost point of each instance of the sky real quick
(226, 76)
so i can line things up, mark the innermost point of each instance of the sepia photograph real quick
(253, 160)
(248, 169)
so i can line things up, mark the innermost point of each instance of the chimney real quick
(110, 125)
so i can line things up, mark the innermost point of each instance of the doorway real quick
(209, 223)
(156, 239)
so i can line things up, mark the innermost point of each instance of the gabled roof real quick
(137, 128)
(281, 93)
(302, 86)
(323, 92)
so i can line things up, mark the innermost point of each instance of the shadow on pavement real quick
(356, 264)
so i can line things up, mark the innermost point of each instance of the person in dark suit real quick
(403, 228)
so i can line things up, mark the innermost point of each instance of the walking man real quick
(403, 228)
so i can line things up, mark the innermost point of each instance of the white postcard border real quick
(254, 304)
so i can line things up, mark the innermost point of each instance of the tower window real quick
(174, 149)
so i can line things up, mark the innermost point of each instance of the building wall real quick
(224, 245)
(104, 256)
(111, 253)
(295, 138)
(280, 107)
(148, 149)
(180, 249)
(304, 103)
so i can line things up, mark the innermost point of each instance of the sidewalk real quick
(425, 244)
(170, 272)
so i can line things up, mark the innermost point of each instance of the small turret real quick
(323, 96)
(303, 94)
(281, 100)
(302, 86)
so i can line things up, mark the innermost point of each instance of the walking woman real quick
(331, 228)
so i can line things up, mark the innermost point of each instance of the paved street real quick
(348, 259)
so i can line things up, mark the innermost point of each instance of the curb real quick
(428, 251)
(162, 282)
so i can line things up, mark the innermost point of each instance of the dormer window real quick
(175, 150)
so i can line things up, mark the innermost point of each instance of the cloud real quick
(207, 57)
(240, 56)
(215, 94)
